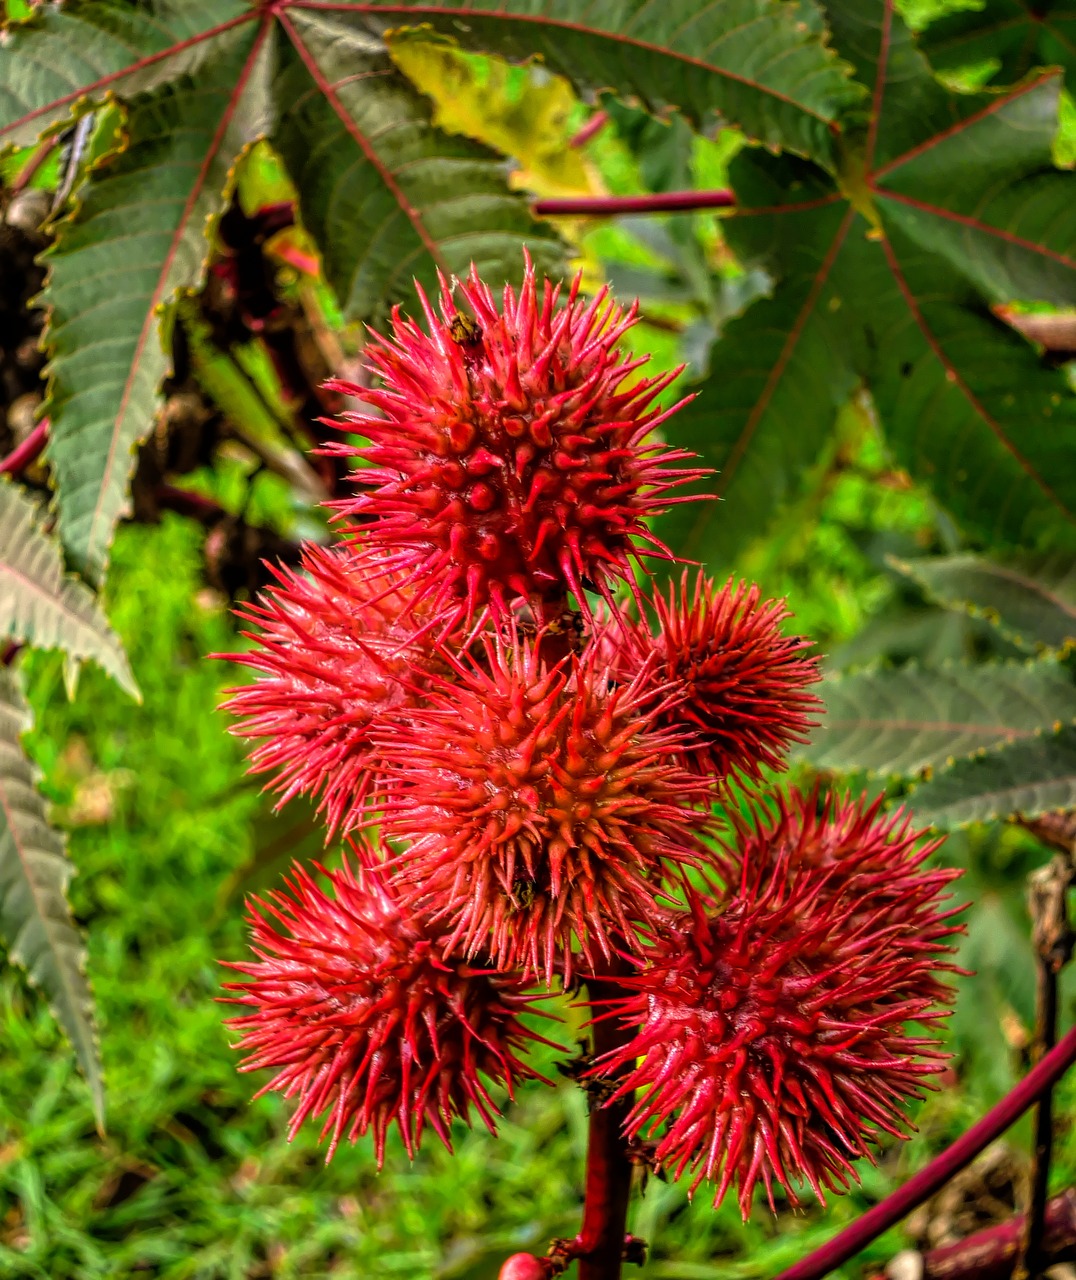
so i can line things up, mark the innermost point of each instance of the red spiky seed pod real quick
(830, 834)
(537, 807)
(742, 683)
(514, 453)
(769, 1038)
(335, 650)
(363, 1019)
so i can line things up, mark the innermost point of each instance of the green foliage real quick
(760, 63)
(39, 605)
(1012, 35)
(905, 720)
(1001, 736)
(35, 919)
(943, 205)
(1031, 598)
(1029, 778)
(386, 194)
(107, 284)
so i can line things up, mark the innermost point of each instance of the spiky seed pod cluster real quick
(545, 773)
(362, 1019)
(538, 807)
(511, 455)
(769, 1036)
(741, 684)
(336, 652)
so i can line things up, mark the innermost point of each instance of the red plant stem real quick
(591, 129)
(23, 454)
(34, 163)
(661, 202)
(888, 1212)
(1048, 890)
(186, 502)
(600, 1244)
(992, 1253)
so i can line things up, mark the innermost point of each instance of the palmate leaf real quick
(386, 195)
(1029, 778)
(900, 721)
(1032, 598)
(53, 62)
(41, 605)
(762, 64)
(35, 920)
(887, 277)
(137, 235)
(1019, 34)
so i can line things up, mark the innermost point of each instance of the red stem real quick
(888, 1212)
(23, 454)
(186, 502)
(591, 129)
(661, 202)
(600, 1243)
(35, 162)
(991, 1253)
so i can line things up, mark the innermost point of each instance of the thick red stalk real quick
(661, 202)
(888, 1212)
(990, 1254)
(23, 454)
(600, 1245)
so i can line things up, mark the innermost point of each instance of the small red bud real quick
(525, 1266)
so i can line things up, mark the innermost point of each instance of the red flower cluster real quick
(769, 1035)
(513, 453)
(363, 1019)
(544, 769)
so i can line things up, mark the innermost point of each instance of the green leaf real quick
(900, 721)
(281, 837)
(61, 57)
(387, 196)
(1028, 778)
(946, 205)
(35, 918)
(41, 605)
(1031, 598)
(1017, 34)
(137, 236)
(762, 64)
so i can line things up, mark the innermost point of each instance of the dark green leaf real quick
(904, 720)
(1029, 778)
(51, 64)
(39, 604)
(387, 196)
(280, 838)
(1018, 34)
(35, 919)
(1031, 598)
(137, 235)
(947, 205)
(762, 64)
